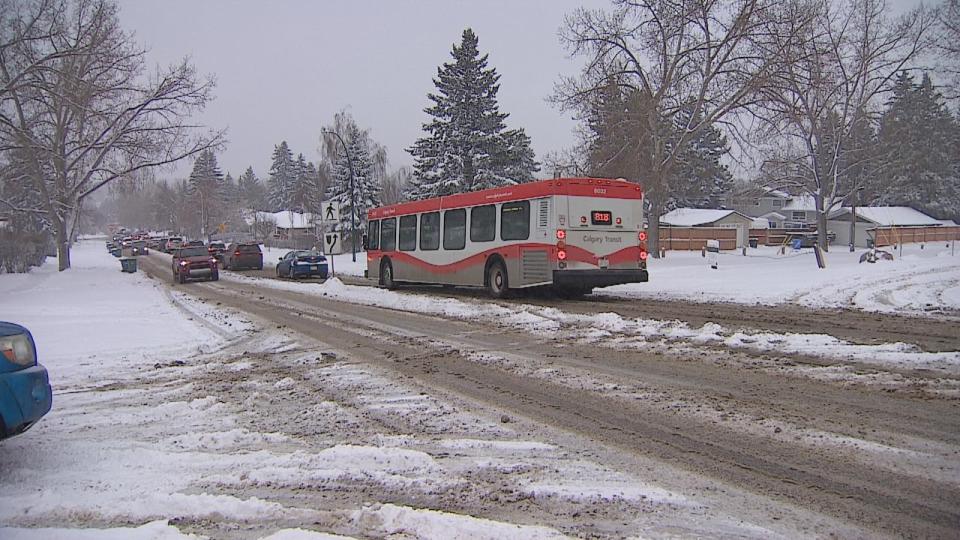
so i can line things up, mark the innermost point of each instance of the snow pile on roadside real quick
(398, 520)
(613, 330)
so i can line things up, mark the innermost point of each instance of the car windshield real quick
(249, 248)
(198, 251)
(307, 254)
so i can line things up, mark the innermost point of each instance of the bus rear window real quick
(388, 234)
(515, 220)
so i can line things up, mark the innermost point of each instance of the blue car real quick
(302, 263)
(25, 394)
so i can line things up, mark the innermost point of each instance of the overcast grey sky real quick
(284, 68)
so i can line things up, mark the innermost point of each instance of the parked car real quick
(216, 250)
(242, 255)
(25, 393)
(193, 262)
(296, 264)
(172, 243)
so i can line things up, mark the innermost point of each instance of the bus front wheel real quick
(386, 276)
(497, 280)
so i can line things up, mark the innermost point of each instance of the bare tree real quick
(947, 44)
(80, 109)
(702, 55)
(818, 106)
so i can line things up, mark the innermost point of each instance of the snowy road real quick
(262, 408)
(763, 430)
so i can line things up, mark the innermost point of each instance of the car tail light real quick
(562, 255)
(17, 349)
(213, 262)
(236, 253)
(184, 263)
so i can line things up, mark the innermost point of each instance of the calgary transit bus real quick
(571, 234)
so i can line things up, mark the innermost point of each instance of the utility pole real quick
(353, 202)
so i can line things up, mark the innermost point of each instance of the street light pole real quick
(203, 221)
(353, 202)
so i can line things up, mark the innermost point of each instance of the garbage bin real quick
(754, 242)
(128, 264)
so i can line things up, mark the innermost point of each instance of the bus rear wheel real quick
(497, 282)
(386, 276)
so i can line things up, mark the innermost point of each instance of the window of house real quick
(799, 215)
(773, 224)
(455, 229)
(373, 235)
(388, 234)
(430, 231)
(778, 203)
(515, 221)
(483, 223)
(408, 233)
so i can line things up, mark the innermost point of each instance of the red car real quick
(194, 262)
(239, 256)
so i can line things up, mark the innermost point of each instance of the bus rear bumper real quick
(588, 279)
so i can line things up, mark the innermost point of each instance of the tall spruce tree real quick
(366, 184)
(467, 146)
(918, 136)
(701, 180)
(282, 178)
(253, 194)
(205, 187)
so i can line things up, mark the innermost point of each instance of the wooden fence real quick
(695, 238)
(888, 236)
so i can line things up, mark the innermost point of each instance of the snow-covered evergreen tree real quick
(282, 178)
(700, 180)
(306, 195)
(205, 187)
(253, 194)
(366, 183)
(467, 146)
(919, 138)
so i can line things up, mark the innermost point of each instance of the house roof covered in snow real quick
(284, 219)
(773, 215)
(889, 216)
(776, 193)
(691, 217)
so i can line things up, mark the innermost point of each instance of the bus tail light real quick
(583, 220)
(642, 236)
(619, 221)
(561, 254)
(643, 254)
(561, 234)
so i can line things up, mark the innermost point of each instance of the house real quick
(292, 229)
(701, 217)
(788, 211)
(871, 217)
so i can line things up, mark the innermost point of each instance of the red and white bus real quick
(572, 234)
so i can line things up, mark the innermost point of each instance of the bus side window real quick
(455, 229)
(388, 235)
(430, 231)
(373, 235)
(483, 223)
(515, 220)
(408, 233)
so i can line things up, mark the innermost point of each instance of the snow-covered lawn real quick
(920, 281)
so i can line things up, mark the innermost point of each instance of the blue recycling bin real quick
(796, 243)
(128, 264)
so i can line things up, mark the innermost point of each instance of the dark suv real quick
(193, 262)
(239, 256)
